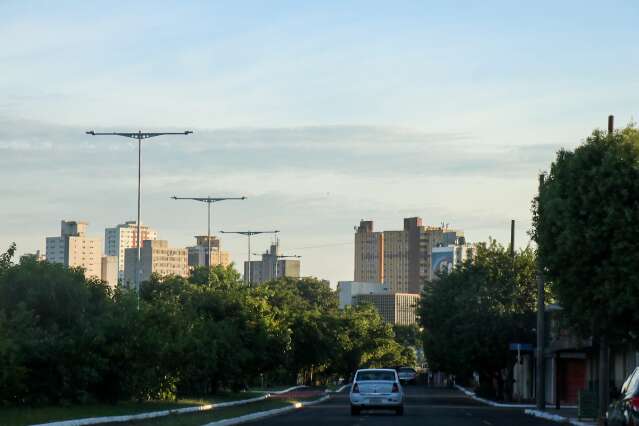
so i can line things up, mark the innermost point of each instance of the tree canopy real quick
(586, 225)
(472, 314)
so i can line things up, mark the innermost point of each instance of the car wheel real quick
(354, 411)
(399, 410)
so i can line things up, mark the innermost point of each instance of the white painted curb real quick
(264, 414)
(472, 395)
(555, 418)
(338, 390)
(152, 414)
(291, 389)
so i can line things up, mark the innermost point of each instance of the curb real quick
(555, 418)
(268, 392)
(264, 414)
(472, 395)
(152, 414)
(338, 390)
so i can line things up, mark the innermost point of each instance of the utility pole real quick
(209, 200)
(139, 136)
(249, 234)
(540, 387)
(604, 344)
(512, 238)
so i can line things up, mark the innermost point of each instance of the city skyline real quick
(321, 116)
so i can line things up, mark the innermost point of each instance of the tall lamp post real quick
(139, 136)
(209, 200)
(249, 234)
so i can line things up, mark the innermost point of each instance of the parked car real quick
(376, 388)
(624, 410)
(407, 375)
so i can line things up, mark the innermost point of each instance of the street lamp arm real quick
(137, 135)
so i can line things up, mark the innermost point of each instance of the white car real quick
(376, 388)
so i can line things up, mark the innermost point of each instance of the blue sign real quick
(521, 347)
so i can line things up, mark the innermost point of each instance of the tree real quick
(471, 315)
(586, 225)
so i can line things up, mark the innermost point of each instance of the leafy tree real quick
(472, 314)
(586, 225)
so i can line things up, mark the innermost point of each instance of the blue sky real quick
(322, 113)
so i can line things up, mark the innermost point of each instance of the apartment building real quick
(156, 257)
(346, 290)
(272, 266)
(74, 248)
(400, 259)
(394, 308)
(109, 273)
(198, 254)
(122, 237)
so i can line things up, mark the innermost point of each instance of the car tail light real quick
(634, 403)
(355, 388)
(395, 388)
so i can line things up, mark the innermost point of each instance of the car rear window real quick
(364, 376)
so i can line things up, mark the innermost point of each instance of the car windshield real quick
(363, 376)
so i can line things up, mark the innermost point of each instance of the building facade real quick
(346, 290)
(394, 308)
(110, 270)
(401, 259)
(156, 257)
(198, 254)
(122, 237)
(271, 267)
(369, 253)
(74, 249)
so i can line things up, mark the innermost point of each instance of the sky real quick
(320, 113)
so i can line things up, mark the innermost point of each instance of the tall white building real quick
(122, 237)
(73, 248)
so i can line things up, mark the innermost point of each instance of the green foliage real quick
(472, 314)
(66, 339)
(586, 225)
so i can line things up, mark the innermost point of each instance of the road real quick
(423, 406)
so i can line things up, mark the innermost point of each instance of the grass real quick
(23, 416)
(204, 417)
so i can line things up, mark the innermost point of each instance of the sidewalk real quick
(563, 415)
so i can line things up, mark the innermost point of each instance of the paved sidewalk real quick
(564, 415)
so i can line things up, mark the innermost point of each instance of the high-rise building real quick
(446, 257)
(73, 248)
(156, 257)
(394, 308)
(122, 237)
(369, 253)
(110, 270)
(198, 254)
(272, 266)
(400, 259)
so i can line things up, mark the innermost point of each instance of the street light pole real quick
(209, 200)
(139, 135)
(540, 386)
(249, 234)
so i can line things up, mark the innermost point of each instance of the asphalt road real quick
(423, 406)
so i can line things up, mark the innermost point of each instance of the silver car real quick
(376, 388)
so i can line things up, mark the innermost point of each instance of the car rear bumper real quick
(381, 401)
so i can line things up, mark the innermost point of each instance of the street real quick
(424, 406)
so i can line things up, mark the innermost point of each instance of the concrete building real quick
(394, 308)
(37, 256)
(346, 290)
(272, 266)
(73, 248)
(369, 253)
(122, 237)
(155, 257)
(198, 254)
(400, 259)
(109, 270)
